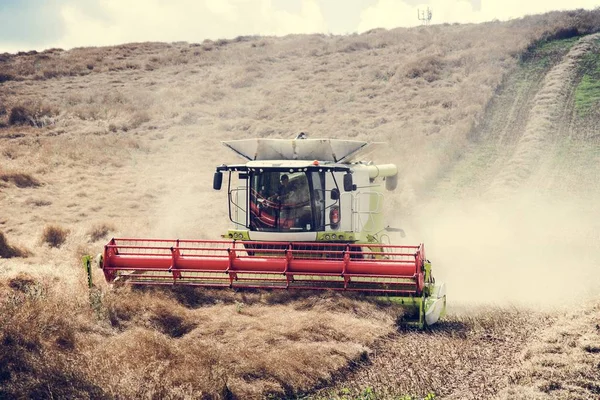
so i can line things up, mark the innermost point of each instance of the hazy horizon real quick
(38, 25)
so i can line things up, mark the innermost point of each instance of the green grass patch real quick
(587, 92)
(545, 54)
(369, 394)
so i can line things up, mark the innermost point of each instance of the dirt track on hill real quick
(548, 118)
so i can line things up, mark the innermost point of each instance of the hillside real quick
(494, 127)
(515, 247)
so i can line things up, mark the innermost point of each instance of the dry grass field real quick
(499, 157)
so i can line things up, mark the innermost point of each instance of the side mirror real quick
(335, 194)
(391, 182)
(348, 183)
(218, 180)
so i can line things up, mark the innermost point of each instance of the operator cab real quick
(301, 197)
(301, 189)
(287, 201)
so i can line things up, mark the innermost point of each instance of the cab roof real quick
(285, 166)
(331, 150)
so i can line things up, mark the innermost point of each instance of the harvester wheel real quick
(98, 260)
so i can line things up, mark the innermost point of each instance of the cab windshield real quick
(287, 201)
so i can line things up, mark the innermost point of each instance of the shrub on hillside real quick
(54, 235)
(100, 231)
(427, 67)
(8, 251)
(18, 116)
(6, 77)
(20, 180)
(38, 202)
(34, 114)
(51, 73)
(356, 46)
(138, 118)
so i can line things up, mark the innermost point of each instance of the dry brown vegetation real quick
(20, 180)
(37, 337)
(125, 139)
(100, 231)
(54, 235)
(235, 89)
(171, 344)
(8, 251)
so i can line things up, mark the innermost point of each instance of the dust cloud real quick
(529, 251)
(519, 225)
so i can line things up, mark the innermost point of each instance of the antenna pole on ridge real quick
(424, 15)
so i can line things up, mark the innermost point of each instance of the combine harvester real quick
(305, 215)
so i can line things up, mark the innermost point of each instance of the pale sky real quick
(41, 24)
